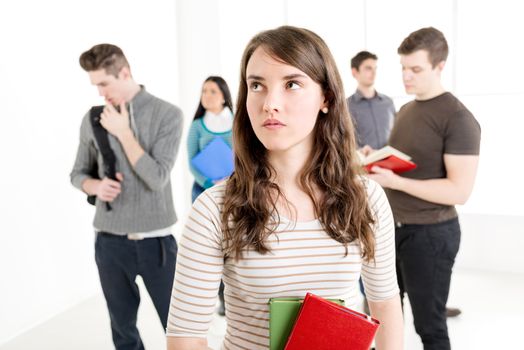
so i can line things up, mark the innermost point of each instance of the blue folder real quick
(215, 161)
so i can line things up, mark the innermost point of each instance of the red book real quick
(324, 325)
(398, 165)
(389, 158)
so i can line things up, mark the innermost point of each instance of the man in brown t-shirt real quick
(443, 139)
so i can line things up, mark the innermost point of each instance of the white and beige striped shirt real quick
(303, 258)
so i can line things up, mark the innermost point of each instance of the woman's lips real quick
(273, 124)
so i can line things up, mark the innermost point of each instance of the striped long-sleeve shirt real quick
(303, 258)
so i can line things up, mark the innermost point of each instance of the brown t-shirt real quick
(426, 130)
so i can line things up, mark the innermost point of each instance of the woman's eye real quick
(292, 85)
(255, 86)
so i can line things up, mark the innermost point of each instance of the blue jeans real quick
(119, 261)
(425, 258)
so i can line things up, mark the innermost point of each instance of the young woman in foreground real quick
(296, 216)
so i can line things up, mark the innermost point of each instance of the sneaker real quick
(452, 312)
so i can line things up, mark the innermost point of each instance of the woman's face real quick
(212, 98)
(282, 102)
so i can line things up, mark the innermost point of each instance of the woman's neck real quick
(288, 166)
(215, 111)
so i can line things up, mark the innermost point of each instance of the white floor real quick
(492, 305)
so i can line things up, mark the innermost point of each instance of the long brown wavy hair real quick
(249, 209)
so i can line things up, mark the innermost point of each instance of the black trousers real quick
(119, 261)
(425, 258)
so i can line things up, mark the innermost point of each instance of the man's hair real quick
(361, 57)
(430, 39)
(104, 56)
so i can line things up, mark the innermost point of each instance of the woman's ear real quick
(325, 109)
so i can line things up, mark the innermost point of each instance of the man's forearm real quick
(131, 147)
(441, 191)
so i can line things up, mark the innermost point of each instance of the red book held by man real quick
(389, 158)
(324, 325)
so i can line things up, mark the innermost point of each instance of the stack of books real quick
(315, 323)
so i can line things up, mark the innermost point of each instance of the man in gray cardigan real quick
(134, 237)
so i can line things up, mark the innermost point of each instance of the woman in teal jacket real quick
(213, 118)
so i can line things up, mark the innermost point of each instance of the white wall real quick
(491, 243)
(46, 253)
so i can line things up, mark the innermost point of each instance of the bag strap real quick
(102, 140)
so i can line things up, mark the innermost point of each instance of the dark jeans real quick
(119, 261)
(425, 258)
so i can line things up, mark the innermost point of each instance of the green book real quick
(283, 313)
